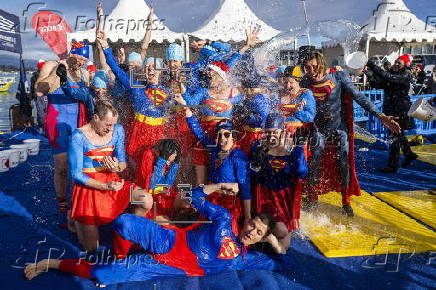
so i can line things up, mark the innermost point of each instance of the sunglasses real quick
(225, 134)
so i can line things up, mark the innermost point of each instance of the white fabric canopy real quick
(230, 21)
(392, 21)
(131, 13)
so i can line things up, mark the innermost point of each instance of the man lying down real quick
(210, 248)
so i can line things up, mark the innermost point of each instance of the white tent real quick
(392, 21)
(127, 22)
(229, 22)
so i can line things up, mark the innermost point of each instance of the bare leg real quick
(88, 236)
(61, 174)
(33, 270)
(146, 199)
(200, 174)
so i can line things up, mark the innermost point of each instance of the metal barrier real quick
(375, 127)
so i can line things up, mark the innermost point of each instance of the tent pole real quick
(368, 40)
(186, 44)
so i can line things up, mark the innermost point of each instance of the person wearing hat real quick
(332, 167)
(228, 163)
(251, 113)
(64, 114)
(396, 84)
(218, 100)
(276, 173)
(296, 104)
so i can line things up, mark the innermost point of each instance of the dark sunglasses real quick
(225, 134)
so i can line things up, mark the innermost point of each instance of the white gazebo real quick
(386, 32)
(127, 24)
(229, 22)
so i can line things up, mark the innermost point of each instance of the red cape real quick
(330, 180)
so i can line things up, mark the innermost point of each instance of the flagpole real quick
(306, 18)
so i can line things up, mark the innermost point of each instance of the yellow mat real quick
(376, 228)
(419, 204)
(426, 153)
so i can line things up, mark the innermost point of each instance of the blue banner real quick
(10, 38)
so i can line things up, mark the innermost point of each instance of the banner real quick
(53, 29)
(10, 38)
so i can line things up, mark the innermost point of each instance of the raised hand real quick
(102, 39)
(179, 99)
(252, 34)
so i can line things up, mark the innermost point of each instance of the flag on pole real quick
(22, 92)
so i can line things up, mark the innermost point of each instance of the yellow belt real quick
(159, 189)
(294, 124)
(96, 169)
(149, 120)
(252, 130)
(213, 118)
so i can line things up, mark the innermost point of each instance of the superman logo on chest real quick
(217, 105)
(98, 154)
(156, 95)
(322, 90)
(277, 164)
(287, 110)
(229, 249)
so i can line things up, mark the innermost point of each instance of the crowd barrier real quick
(375, 127)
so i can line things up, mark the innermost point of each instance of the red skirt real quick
(283, 206)
(96, 207)
(143, 134)
(164, 205)
(200, 155)
(233, 204)
(249, 136)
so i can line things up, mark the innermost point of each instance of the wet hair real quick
(166, 147)
(267, 220)
(320, 60)
(102, 107)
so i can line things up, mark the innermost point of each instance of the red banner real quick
(52, 28)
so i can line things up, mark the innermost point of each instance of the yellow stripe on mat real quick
(376, 228)
(419, 204)
(426, 153)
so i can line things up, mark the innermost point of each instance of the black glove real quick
(61, 72)
(372, 62)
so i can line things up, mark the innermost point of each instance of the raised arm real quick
(147, 36)
(308, 112)
(47, 80)
(403, 79)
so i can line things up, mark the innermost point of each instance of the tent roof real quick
(393, 21)
(230, 21)
(117, 22)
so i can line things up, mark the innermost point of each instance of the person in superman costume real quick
(96, 156)
(209, 249)
(148, 102)
(64, 113)
(217, 103)
(228, 163)
(275, 173)
(331, 165)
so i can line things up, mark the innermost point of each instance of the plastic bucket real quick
(422, 110)
(4, 160)
(33, 146)
(14, 158)
(356, 60)
(23, 149)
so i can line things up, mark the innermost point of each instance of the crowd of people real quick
(204, 165)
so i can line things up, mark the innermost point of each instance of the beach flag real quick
(53, 29)
(10, 38)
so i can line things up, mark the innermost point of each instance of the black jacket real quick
(397, 101)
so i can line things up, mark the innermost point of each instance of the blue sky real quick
(180, 16)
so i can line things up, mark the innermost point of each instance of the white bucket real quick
(422, 110)
(356, 60)
(14, 158)
(4, 160)
(23, 148)
(33, 146)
